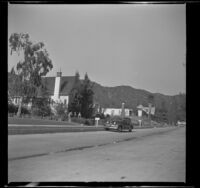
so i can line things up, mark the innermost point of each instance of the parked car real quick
(119, 124)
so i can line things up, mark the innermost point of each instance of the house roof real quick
(49, 82)
(65, 86)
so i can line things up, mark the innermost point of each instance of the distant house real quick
(116, 111)
(145, 109)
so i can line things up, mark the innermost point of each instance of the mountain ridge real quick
(112, 97)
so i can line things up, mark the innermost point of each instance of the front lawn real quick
(33, 121)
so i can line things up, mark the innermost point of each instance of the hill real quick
(174, 106)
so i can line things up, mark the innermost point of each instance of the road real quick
(144, 155)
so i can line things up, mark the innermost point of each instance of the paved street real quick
(156, 154)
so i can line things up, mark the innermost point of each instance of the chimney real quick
(57, 85)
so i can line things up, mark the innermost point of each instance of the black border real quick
(192, 59)
(3, 98)
(192, 114)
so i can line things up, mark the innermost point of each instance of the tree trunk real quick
(19, 108)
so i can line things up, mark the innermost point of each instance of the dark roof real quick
(49, 82)
(65, 87)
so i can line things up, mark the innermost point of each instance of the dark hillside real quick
(114, 96)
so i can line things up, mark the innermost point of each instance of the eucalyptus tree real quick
(34, 64)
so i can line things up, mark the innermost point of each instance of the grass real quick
(32, 129)
(13, 130)
(33, 121)
(42, 128)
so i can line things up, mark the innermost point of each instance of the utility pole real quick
(123, 110)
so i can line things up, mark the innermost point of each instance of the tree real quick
(163, 106)
(172, 112)
(75, 96)
(61, 110)
(41, 103)
(14, 84)
(150, 101)
(34, 64)
(81, 97)
(87, 98)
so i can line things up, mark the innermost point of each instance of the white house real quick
(117, 111)
(60, 96)
(58, 88)
(145, 109)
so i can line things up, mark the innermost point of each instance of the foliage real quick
(75, 96)
(83, 121)
(89, 122)
(35, 63)
(81, 97)
(87, 98)
(14, 108)
(78, 120)
(160, 115)
(41, 103)
(61, 110)
(25, 110)
(172, 112)
(41, 107)
(151, 98)
(100, 115)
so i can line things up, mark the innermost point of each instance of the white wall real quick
(61, 99)
(116, 111)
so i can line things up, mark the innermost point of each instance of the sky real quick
(139, 45)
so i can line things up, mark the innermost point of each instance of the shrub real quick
(89, 122)
(44, 112)
(35, 112)
(78, 120)
(24, 110)
(53, 117)
(41, 107)
(83, 121)
(102, 121)
(64, 117)
(100, 115)
(12, 108)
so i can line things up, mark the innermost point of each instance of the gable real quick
(65, 86)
